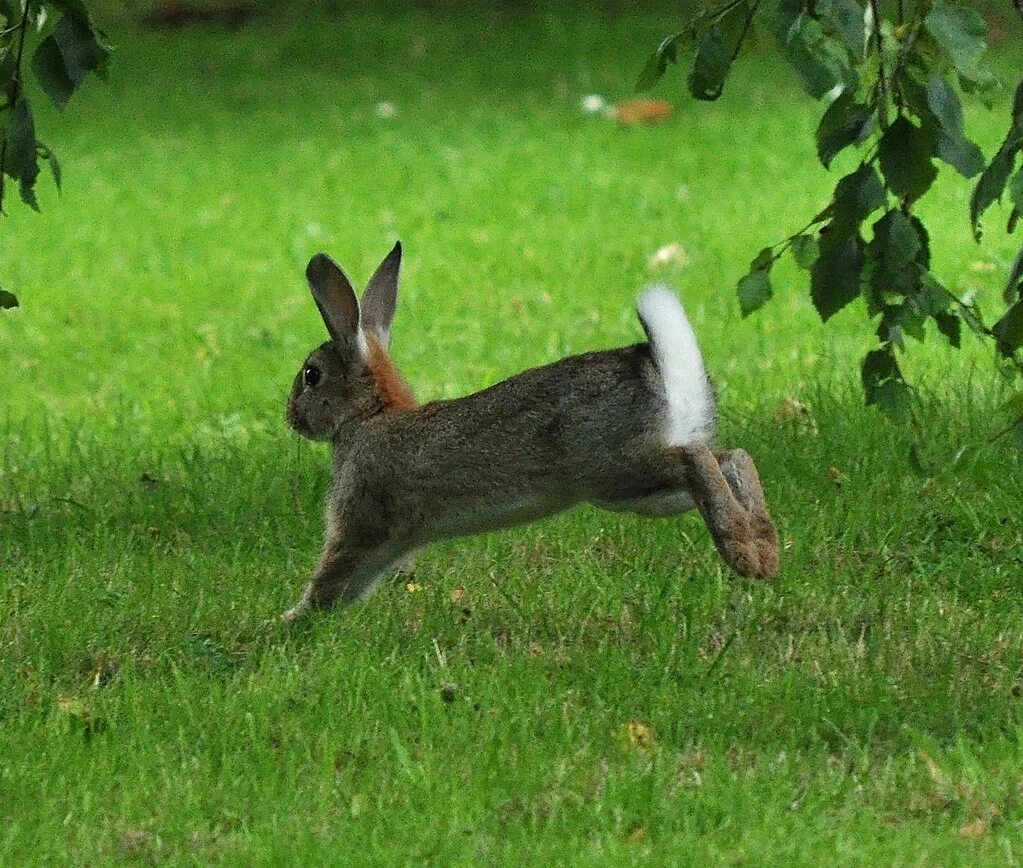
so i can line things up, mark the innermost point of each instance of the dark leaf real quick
(716, 51)
(846, 16)
(835, 276)
(951, 327)
(49, 69)
(844, 123)
(79, 47)
(990, 187)
(763, 260)
(857, 196)
(1016, 189)
(821, 61)
(7, 300)
(27, 191)
(805, 250)
(985, 86)
(971, 315)
(951, 146)
(1009, 330)
(883, 383)
(912, 320)
(1010, 227)
(893, 262)
(74, 8)
(710, 65)
(754, 291)
(20, 135)
(1014, 285)
(657, 65)
(1017, 107)
(924, 256)
(944, 104)
(898, 241)
(961, 154)
(960, 32)
(905, 157)
(54, 163)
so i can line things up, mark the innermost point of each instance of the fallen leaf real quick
(640, 735)
(669, 255)
(413, 587)
(977, 828)
(642, 111)
(459, 594)
(636, 835)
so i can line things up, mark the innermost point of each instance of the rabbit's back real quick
(524, 448)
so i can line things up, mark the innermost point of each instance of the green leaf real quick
(883, 383)
(846, 122)
(7, 300)
(951, 327)
(20, 136)
(78, 46)
(805, 250)
(990, 187)
(657, 65)
(857, 196)
(960, 32)
(835, 276)
(754, 291)
(49, 69)
(710, 66)
(1009, 330)
(905, 158)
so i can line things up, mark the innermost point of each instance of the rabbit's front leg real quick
(359, 548)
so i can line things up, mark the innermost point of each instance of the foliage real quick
(891, 83)
(64, 54)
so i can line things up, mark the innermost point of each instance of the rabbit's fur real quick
(625, 429)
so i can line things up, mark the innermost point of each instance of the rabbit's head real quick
(350, 377)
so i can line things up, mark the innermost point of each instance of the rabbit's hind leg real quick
(741, 474)
(694, 468)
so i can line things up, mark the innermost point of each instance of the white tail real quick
(690, 416)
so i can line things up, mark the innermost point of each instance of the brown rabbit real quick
(625, 429)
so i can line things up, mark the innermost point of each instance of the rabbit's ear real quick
(381, 297)
(335, 298)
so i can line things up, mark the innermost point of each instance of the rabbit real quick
(625, 429)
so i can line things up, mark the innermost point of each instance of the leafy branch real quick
(891, 87)
(64, 56)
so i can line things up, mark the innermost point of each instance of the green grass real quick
(156, 515)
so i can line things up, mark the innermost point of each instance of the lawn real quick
(593, 689)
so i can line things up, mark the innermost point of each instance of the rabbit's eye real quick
(310, 376)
